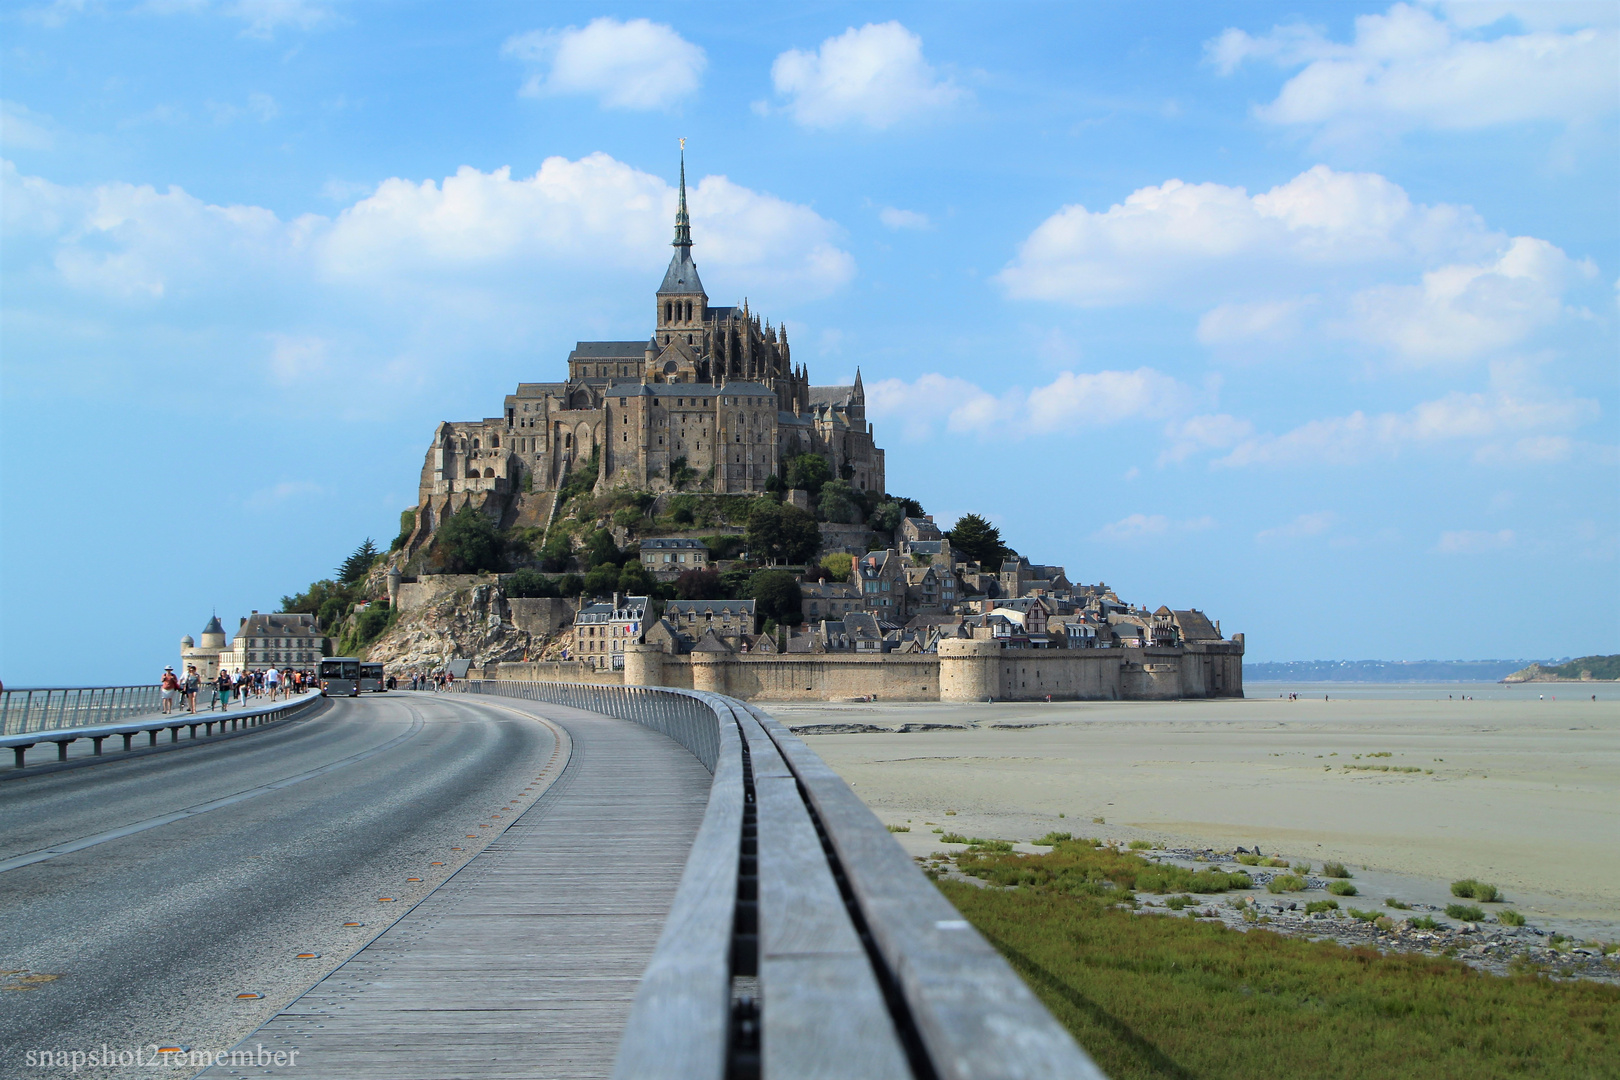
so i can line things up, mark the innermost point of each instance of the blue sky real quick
(1303, 315)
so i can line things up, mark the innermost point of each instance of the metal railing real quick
(802, 940)
(29, 709)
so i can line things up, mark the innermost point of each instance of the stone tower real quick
(683, 306)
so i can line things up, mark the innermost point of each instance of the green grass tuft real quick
(1335, 870)
(899, 828)
(1321, 905)
(1424, 922)
(1363, 916)
(1086, 866)
(1390, 901)
(1141, 845)
(1341, 888)
(1286, 883)
(1179, 998)
(1052, 838)
(953, 838)
(1509, 917)
(1465, 912)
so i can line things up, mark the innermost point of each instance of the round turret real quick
(213, 635)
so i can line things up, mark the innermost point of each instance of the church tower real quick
(683, 306)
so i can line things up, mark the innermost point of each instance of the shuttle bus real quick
(340, 676)
(372, 679)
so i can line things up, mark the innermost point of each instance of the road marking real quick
(417, 724)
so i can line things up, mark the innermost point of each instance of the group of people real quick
(180, 691)
(441, 680)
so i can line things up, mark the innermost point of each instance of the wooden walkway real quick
(525, 962)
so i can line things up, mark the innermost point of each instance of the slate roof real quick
(1195, 626)
(671, 543)
(682, 277)
(608, 350)
(213, 626)
(831, 395)
(737, 608)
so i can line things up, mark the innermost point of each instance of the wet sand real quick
(1524, 793)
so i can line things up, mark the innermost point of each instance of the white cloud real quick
(1464, 542)
(1142, 526)
(571, 215)
(1408, 69)
(638, 64)
(1247, 324)
(904, 219)
(1201, 240)
(1305, 525)
(1347, 254)
(1511, 413)
(1464, 310)
(875, 76)
(21, 128)
(1073, 401)
(1216, 431)
(265, 17)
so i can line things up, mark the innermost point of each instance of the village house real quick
(667, 558)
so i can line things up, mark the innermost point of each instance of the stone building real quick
(710, 400)
(263, 640)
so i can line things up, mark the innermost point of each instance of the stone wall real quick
(964, 670)
(552, 671)
(542, 616)
(429, 588)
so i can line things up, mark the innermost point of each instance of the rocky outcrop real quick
(470, 624)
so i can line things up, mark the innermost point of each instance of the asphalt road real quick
(189, 878)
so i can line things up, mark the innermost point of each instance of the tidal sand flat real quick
(1522, 792)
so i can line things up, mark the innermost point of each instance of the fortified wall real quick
(965, 669)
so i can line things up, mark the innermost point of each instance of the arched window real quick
(489, 474)
(475, 444)
(495, 442)
(668, 312)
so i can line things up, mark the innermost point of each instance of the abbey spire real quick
(682, 304)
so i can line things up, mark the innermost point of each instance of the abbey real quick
(710, 401)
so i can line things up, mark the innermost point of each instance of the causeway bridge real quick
(518, 879)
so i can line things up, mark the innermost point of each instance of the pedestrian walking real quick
(272, 681)
(170, 685)
(222, 692)
(190, 686)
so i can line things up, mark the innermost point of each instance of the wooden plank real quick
(975, 1016)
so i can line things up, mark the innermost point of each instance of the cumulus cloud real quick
(1349, 253)
(638, 64)
(1196, 434)
(873, 77)
(569, 215)
(1465, 310)
(1465, 542)
(1072, 401)
(1305, 525)
(1137, 527)
(408, 276)
(1410, 69)
(1485, 419)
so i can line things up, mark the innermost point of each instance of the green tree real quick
(972, 537)
(557, 553)
(407, 522)
(838, 565)
(600, 550)
(699, 585)
(734, 583)
(469, 543)
(777, 596)
(839, 503)
(312, 599)
(355, 566)
(634, 580)
(570, 585)
(602, 580)
(529, 582)
(680, 473)
(782, 533)
(809, 472)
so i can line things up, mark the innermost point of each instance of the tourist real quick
(272, 682)
(222, 692)
(189, 687)
(169, 685)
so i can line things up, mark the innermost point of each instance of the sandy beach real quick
(1518, 791)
